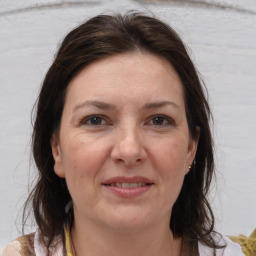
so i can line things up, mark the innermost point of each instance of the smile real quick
(128, 185)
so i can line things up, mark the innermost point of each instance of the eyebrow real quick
(160, 104)
(104, 105)
(98, 104)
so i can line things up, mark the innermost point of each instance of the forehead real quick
(136, 75)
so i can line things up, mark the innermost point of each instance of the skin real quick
(144, 132)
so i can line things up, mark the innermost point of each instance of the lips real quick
(128, 186)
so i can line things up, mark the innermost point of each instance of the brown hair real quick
(99, 37)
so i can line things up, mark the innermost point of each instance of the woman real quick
(123, 147)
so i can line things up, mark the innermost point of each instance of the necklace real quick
(185, 246)
(70, 249)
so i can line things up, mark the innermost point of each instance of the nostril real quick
(128, 150)
(128, 161)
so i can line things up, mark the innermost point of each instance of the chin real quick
(129, 219)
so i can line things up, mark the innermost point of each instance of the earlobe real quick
(192, 148)
(56, 153)
(190, 156)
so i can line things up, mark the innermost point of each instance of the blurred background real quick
(221, 38)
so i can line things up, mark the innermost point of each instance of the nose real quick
(129, 147)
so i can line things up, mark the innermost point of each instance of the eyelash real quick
(168, 120)
(85, 121)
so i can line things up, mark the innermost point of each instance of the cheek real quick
(82, 162)
(82, 165)
(169, 159)
(170, 154)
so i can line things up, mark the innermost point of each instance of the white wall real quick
(223, 46)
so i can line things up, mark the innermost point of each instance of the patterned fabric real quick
(31, 245)
(231, 249)
(22, 246)
(248, 244)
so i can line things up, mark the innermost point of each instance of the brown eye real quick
(94, 121)
(160, 120)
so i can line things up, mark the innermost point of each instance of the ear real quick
(192, 148)
(56, 153)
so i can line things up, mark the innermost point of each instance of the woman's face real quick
(123, 145)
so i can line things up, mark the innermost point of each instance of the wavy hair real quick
(99, 37)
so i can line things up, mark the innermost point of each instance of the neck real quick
(92, 240)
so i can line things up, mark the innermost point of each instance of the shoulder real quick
(248, 244)
(32, 245)
(231, 248)
(56, 248)
(21, 246)
(13, 249)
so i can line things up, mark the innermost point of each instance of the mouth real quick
(128, 187)
(128, 182)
